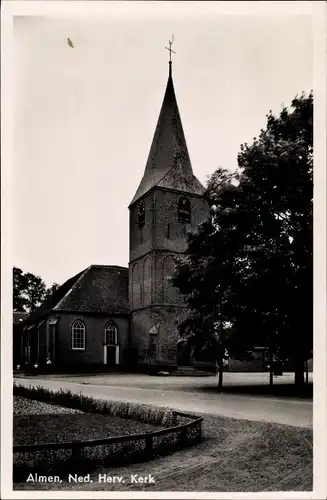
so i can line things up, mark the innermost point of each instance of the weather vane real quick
(170, 49)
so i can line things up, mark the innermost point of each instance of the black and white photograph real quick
(164, 312)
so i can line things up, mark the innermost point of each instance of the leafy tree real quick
(278, 169)
(35, 290)
(205, 275)
(28, 291)
(247, 274)
(19, 287)
(50, 291)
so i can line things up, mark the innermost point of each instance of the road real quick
(195, 394)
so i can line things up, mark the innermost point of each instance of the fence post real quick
(76, 453)
(148, 446)
(199, 426)
(182, 438)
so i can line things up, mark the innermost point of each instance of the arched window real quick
(111, 333)
(78, 335)
(184, 211)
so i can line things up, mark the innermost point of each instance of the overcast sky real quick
(84, 117)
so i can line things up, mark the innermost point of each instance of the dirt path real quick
(236, 455)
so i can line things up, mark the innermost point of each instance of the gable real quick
(187, 183)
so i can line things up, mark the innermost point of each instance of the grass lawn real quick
(33, 427)
(236, 455)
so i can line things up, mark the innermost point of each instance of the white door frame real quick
(105, 356)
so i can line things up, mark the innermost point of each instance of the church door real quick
(111, 346)
(183, 354)
(111, 355)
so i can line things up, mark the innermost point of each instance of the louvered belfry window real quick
(184, 211)
(141, 214)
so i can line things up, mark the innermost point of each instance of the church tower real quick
(168, 203)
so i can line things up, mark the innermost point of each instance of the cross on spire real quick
(170, 49)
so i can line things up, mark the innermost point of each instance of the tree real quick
(50, 291)
(35, 290)
(246, 264)
(278, 167)
(205, 275)
(19, 287)
(28, 290)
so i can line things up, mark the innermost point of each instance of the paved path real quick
(187, 394)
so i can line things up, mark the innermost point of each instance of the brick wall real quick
(162, 230)
(141, 239)
(169, 233)
(165, 319)
(95, 336)
(153, 250)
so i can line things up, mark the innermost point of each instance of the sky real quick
(84, 117)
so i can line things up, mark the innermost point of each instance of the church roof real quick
(97, 289)
(169, 165)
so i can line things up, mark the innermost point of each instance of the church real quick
(113, 316)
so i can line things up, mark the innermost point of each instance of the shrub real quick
(124, 451)
(142, 413)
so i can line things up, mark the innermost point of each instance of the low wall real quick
(235, 365)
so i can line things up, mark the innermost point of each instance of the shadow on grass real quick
(280, 390)
(54, 428)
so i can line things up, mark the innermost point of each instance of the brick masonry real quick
(93, 354)
(154, 302)
(142, 302)
(163, 321)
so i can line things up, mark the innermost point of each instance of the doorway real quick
(111, 355)
(184, 354)
(111, 347)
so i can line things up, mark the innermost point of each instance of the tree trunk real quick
(299, 373)
(271, 369)
(271, 376)
(220, 375)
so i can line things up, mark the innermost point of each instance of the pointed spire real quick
(169, 164)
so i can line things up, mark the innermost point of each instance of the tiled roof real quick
(51, 303)
(100, 289)
(169, 164)
(97, 289)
